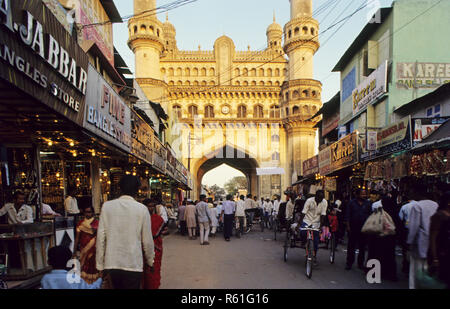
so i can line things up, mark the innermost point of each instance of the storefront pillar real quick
(38, 170)
(96, 185)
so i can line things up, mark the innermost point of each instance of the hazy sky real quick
(245, 22)
(220, 175)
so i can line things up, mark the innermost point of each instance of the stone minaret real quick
(146, 40)
(301, 94)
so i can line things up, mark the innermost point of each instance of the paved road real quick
(255, 262)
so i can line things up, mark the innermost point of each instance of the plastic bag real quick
(388, 224)
(373, 224)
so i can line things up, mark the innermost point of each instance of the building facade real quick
(249, 109)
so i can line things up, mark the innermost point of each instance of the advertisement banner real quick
(372, 140)
(141, 142)
(159, 155)
(311, 166)
(107, 115)
(344, 153)
(391, 139)
(38, 56)
(422, 127)
(325, 161)
(370, 89)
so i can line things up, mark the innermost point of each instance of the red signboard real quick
(311, 166)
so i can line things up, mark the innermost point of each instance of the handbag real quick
(373, 224)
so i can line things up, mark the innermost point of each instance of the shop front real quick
(344, 167)
(43, 84)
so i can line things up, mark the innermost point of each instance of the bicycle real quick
(309, 249)
(332, 243)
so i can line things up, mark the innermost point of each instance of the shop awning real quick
(270, 171)
(440, 138)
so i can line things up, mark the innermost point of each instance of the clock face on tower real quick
(225, 110)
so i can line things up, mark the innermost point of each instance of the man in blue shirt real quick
(356, 214)
(59, 278)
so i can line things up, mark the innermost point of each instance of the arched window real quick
(245, 83)
(143, 28)
(171, 72)
(177, 111)
(305, 30)
(274, 111)
(212, 83)
(204, 83)
(286, 96)
(276, 156)
(253, 72)
(296, 31)
(285, 71)
(305, 93)
(171, 83)
(203, 71)
(212, 72)
(246, 72)
(237, 83)
(135, 29)
(314, 94)
(269, 72)
(187, 72)
(242, 111)
(195, 72)
(179, 72)
(258, 111)
(179, 83)
(295, 95)
(196, 83)
(261, 72)
(187, 83)
(296, 110)
(261, 83)
(269, 83)
(275, 138)
(237, 72)
(254, 83)
(290, 33)
(157, 32)
(277, 83)
(151, 30)
(313, 31)
(163, 71)
(287, 111)
(193, 111)
(209, 111)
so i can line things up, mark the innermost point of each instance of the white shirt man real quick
(276, 206)
(314, 211)
(47, 210)
(405, 211)
(162, 212)
(23, 216)
(124, 237)
(289, 209)
(71, 206)
(268, 206)
(240, 208)
(250, 203)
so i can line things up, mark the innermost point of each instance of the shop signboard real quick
(170, 162)
(422, 127)
(141, 138)
(38, 56)
(344, 152)
(311, 166)
(415, 75)
(325, 161)
(159, 155)
(372, 140)
(391, 139)
(370, 89)
(330, 184)
(106, 114)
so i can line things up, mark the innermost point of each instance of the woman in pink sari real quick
(85, 240)
(152, 275)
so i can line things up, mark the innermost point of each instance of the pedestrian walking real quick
(124, 239)
(356, 214)
(229, 208)
(151, 280)
(268, 208)
(240, 215)
(404, 214)
(214, 220)
(85, 241)
(202, 211)
(181, 219)
(190, 218)
(419, 233)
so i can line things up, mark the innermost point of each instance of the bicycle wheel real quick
(262, 225)
(332, 248)
(286, 246)
(309, 258)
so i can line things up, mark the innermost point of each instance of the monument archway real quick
(233, 157)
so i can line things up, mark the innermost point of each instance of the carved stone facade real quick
(225, 103)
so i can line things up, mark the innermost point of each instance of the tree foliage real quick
(235, 184)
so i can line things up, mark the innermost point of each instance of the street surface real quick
(255, 262)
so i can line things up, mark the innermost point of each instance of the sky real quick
(216, 176)
(246, 21)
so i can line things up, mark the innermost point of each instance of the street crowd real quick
(124, 248)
